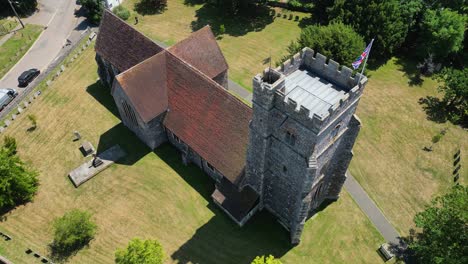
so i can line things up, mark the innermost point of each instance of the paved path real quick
(59, 19)
(371, 210)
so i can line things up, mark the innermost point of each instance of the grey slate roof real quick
(314, 93)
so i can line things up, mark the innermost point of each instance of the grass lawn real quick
(14, 48)
(246, 44)
(7, 25)
(151, 194)
(389, 160)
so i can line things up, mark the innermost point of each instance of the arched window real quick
(335, 131)
(129, 114)
(290, 138)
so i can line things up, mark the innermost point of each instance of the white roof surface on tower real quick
(314, 93)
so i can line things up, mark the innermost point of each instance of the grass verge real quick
(16, 46)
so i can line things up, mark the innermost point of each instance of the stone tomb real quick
(90, 168)
(87, 148)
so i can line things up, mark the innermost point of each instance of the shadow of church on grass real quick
(220, 240)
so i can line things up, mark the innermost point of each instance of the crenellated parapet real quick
(269, 87)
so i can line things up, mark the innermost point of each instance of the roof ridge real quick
(204, 76)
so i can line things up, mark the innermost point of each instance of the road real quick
(58, 17)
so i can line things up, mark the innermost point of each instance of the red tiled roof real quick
(145, 86)
(210, 120)
(122, 45)
(201, 51)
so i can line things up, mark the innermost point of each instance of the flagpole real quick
(365, 61)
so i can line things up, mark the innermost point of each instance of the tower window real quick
(285, 169)
(335, 131)
(290, 138)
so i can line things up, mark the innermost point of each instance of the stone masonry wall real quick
(106, 71)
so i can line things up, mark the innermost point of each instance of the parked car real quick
(6, 96)
(26, 77)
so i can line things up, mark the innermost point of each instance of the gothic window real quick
(290, 138)
(335, 131)
(210, 166)
(129, 114)
(176, 138)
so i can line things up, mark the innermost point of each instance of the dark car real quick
(26, 77)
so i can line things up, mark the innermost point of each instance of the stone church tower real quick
(301, 136)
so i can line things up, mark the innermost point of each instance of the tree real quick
(18, 183)
(235, 7)
(121, 12)
(442, 32)
(387, 21)
(140, 252)
(336, 41)
(9, 144)
(454, 84)
(72, 231)
(23, 7)
(95, 9)
(444, 225)
(266, 260)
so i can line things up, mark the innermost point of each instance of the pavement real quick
(59, 21)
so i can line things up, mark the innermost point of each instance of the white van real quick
(6, 96)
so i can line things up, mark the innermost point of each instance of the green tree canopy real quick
(444, 225)
(336, 41)
(454, 84)
(72, 231)
(95, 9)
(237, 6)
(266, 260)
(442, 32)
(387, 21)
(18, 183)
(121, 12)
(140, 252)
(23, 7)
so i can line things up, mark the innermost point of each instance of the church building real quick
(288, 153)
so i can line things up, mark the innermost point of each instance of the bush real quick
(95, 9)
(18, 183)
(72, 231)
(336, 41)
(9, 144)
(121, 12)
(222, 29)
(266, 260)
(140, 252)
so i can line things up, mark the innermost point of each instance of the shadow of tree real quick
(61, 256)
(408, 66)
(194, 2)
(435, 109)
(256, 20)
(145, 7)
(220, 237)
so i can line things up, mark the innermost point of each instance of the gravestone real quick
(25, 103)
(36, 94)
(77, 135)
(13, 117)
(87, 148)
(20, 110)
(62, 68)
(49, 82)
(7, 123)
(2, 129)
(31, 98)
(58, 73)
(97, 162)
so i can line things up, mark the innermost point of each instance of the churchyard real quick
(389, 159)
(150, 195)
(153, 195)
